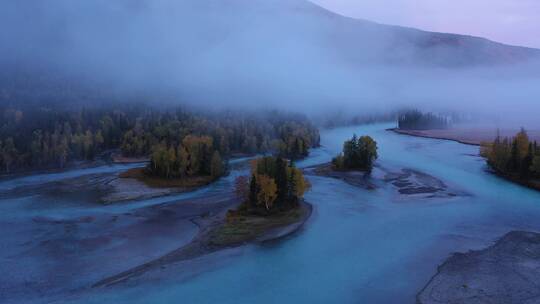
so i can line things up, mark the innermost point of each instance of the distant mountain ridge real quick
(433, 48)
(194, 45)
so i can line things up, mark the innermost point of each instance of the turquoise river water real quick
(359, 246)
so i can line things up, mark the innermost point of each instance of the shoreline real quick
(416, 133)
(506, 270)
(133, 184)
(518, 181)
(183, 184)
(204, 243)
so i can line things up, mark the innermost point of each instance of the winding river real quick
(359, 246)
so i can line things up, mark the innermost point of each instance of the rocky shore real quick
(445, 134)
(419, 184)
(507, 272)
(407, 182)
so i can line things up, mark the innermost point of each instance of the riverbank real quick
(531, 184)
(506, 272)
(466, 135)
(133, 184)
(445, 134)
(118, 158)
(216, 233)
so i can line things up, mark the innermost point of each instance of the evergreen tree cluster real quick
(342, 119)
(416, 120)
(358, 154)
(516, 157)
(275, 185)
(46, 137)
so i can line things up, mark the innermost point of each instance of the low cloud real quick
(240, 53)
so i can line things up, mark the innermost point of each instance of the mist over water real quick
(252, 54)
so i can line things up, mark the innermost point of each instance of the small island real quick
(358, 154)
(516, 158)
(271, 198)
(354, 164)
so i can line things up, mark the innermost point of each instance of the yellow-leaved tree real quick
(268, 190)
(299, 182)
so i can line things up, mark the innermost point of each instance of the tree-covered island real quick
(275, 185)
(271, 204)
(358, 154)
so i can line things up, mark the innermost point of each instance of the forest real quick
(35, 137)
(275, 185)
(417, 120)
(517, 157)
(358, 154)
(194, 156)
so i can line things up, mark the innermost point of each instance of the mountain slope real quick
(214, 48)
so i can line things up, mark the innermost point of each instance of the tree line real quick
(275, 185)
(416, 120)
(358, 154)
(194, 156)
(47, 137)
(516, 157)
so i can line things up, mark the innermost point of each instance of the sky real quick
(515, 22)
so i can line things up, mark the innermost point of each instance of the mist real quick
(281, 54)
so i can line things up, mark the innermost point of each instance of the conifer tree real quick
(216, 165)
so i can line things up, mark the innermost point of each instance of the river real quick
(360, 246)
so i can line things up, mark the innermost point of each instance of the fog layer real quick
(271, 53)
